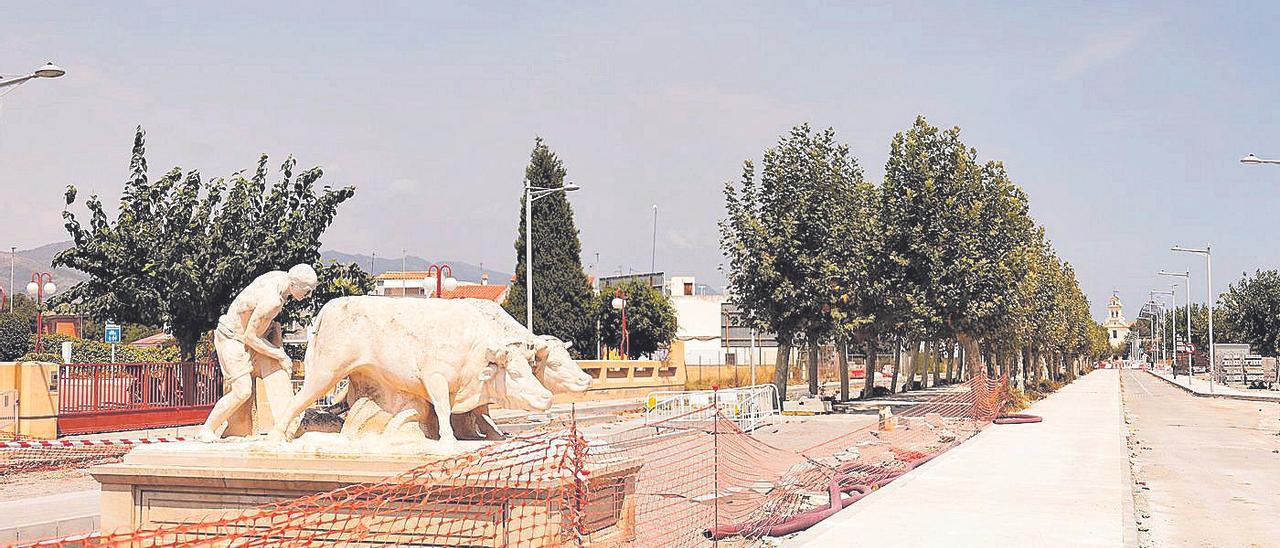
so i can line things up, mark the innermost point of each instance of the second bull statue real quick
(458, 356)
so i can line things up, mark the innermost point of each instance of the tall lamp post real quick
(1168, 292)
(1186, 276)
(531, 194)
(41, 283)
(442, 283)
(1208, 267)
(620, 304)
(1151, 322)
(50, 70)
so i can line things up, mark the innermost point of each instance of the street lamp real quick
(41, 283)
(620, 304)
(1187, 276)
(443, 283)
(48, 71)
(1208, 288)
(532, 193)
(1168, 292)
(1152, 322)
(1254, 160)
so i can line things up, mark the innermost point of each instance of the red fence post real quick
(93, 385)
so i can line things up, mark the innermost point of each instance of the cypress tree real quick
(562, 298)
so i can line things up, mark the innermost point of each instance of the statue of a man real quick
(239, 339)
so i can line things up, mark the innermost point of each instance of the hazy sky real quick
(1124, 124)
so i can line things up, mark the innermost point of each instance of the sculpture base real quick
(166, 485)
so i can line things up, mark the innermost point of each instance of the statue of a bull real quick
(443, 351)
(552, 365)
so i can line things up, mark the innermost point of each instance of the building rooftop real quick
(495, 293)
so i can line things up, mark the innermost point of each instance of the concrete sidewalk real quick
(1200, 387)
(1063, 482)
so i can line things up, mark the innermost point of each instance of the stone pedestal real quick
(168, 484)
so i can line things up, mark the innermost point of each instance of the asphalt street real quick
(1206, 470)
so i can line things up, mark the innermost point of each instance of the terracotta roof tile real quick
(495, 293)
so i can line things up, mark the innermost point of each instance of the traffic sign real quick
(111, 333)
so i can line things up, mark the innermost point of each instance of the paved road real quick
(36, 518)
(1211, 466)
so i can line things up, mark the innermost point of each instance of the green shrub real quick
(14, 340)
(40, 357)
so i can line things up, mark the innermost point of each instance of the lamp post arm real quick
(16, 81)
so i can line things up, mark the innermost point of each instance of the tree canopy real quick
(782, 238)
(651, 320)
(943, 249)
(181, 247)
(563, 305)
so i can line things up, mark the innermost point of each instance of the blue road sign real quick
(111, 333)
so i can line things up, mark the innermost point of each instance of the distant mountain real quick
(462, 271)
(38, 259)
(29, 261)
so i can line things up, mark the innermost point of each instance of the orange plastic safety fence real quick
(681, 482)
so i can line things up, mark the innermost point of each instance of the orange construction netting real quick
(681, 482)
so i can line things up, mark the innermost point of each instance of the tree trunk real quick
(913, 365)
(926, 363)
(187, 346)
(972, 356)
(869, 382)
(780, 370)
(813, 366)
(897, 365)
(842, 348)
(1025, 374)
(953, 357)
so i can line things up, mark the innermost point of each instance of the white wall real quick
(698, 325)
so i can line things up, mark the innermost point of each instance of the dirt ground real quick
(1206, 471)
(39, 484)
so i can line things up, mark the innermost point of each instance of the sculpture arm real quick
(260, 323)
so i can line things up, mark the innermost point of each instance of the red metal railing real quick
(107, 397)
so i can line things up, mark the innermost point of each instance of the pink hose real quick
(806, 519)
(1017, 418)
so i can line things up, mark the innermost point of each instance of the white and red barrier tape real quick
(84, 443)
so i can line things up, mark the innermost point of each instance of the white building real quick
(420, 284)
(708, 326)
(1117, 327)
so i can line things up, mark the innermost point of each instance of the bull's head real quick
(555, 367)
(508, 379)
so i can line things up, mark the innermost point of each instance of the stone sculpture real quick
(553, 366)
(242, 350)
(402, 353)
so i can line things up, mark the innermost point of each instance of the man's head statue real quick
(302, 280)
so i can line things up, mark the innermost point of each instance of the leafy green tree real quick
(1250, 311)
(14, 336)
(180, 248)
(651, 320)
(953, 227)
(864, 309)
(778, 238)
(335, 280)
(563, 305)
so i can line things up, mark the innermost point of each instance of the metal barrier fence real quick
(748, 407)
(327, 400)
(108, 397)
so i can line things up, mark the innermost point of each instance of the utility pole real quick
(13, 258)
(653, 256)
